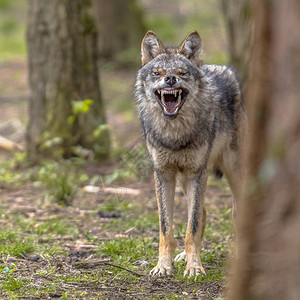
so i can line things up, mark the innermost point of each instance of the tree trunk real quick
(239, 28)
(268, 263)
(121, 30)
(62, 58)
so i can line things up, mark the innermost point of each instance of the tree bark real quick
(239, 27)
(121, 29)
(268, 263)
(62, 59)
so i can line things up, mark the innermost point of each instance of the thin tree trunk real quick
(62, 58)
(239, 28)
(269, 260)
(121, 28)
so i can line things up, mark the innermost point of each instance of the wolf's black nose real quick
(170, 80)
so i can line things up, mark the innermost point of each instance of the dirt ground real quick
(86, 214)
(79, 258)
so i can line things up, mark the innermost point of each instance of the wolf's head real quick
(171, 76)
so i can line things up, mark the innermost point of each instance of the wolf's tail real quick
(218, 173)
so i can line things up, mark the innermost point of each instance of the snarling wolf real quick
(193, 119)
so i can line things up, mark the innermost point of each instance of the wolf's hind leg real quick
(234, 174)
(180, 256)
(165, 190)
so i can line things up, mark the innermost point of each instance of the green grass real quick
(25, 240)
(142, 223)
(13, 172)
(29, 236)
(59, 226)
(13, 244)
(116, 204)
(129, 253)
(13, 284)
(127, 250)
(214, 261)
(17, 244)
(137, 254)
(61, 180)
(219, 225)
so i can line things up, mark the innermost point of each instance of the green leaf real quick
(81, 106)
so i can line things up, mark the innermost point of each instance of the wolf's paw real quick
(180, 256)
(193, 271)
(161, 270)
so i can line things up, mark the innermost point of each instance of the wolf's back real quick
(227, 90)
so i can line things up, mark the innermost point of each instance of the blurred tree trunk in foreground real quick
(121, 30)
(268, 265)
(62, 58)
(239, 28)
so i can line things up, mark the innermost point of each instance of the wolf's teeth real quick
(175, 93)
(163, 98)
(178, 100)
(179, 91)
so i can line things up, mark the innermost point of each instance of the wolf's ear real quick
(151, 47)
(191, 47)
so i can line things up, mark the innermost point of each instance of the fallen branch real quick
(9, 145)
(112, 190)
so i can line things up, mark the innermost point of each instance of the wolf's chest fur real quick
(186, 145)
(180, 143)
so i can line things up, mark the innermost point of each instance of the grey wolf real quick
(193, 117)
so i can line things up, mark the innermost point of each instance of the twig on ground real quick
(93, 264)
(125, 269)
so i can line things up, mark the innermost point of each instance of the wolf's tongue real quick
(171, 106)
(170, 103)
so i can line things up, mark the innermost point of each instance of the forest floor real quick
(103, 244)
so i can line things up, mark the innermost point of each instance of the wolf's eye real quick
(156, 73)
(183, 74)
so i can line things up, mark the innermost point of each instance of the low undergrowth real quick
(105, 250)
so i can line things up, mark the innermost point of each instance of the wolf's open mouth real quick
(171, 100)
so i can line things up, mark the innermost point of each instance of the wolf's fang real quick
(178, 100)
(163, 98)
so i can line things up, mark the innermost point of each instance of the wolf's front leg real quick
(165, 189)
(195, 194)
